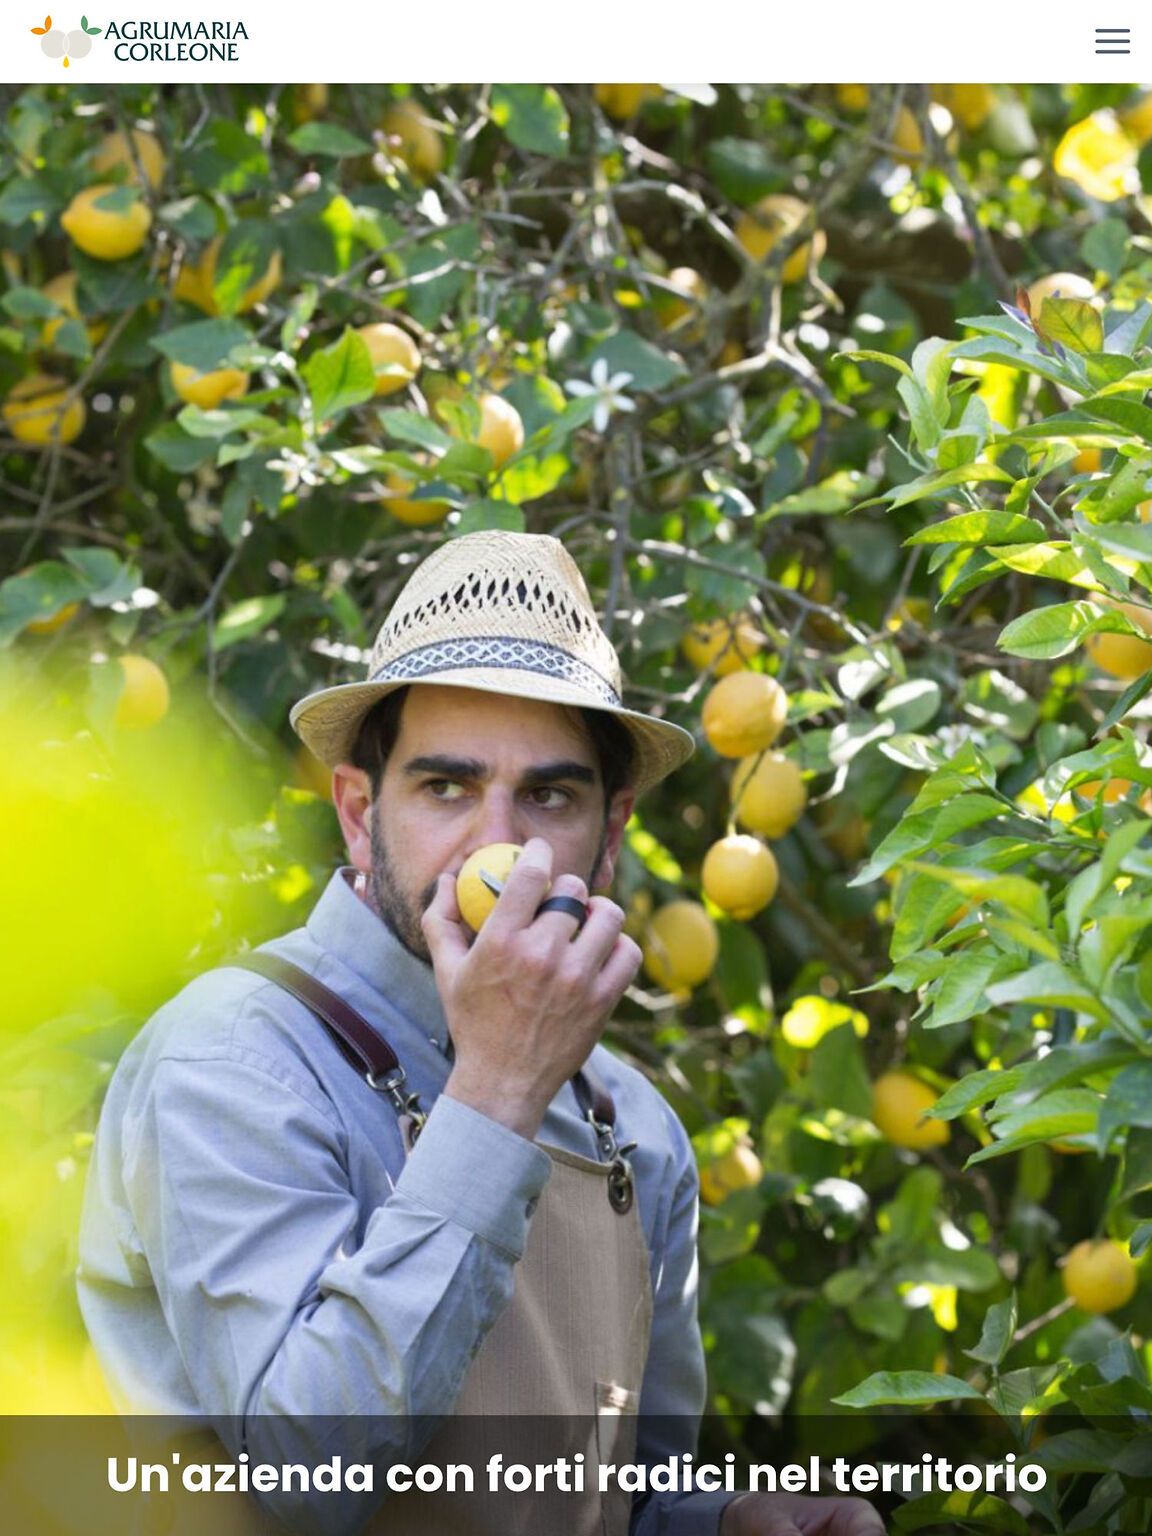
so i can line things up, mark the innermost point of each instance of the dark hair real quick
(380, 727)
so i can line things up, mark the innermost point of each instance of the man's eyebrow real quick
(565, 768)
(447, 767)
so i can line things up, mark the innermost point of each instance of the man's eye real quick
(549, 798)
(444, 789)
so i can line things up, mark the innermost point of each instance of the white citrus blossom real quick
(609, 392)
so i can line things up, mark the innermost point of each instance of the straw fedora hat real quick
(505, 613)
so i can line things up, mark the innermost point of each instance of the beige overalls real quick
(558, 1374)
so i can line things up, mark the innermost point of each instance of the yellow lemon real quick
(395, 356)
(744, 713)
(309, 102)
(1099, 157)
(722, 645)
(473, 897)
(1123, 656)
(102, 232)
(738, 1169)
(196, 280)
(624, 101)
(680, 946)
(1099, 1276)
(907, 137)
(115, 150)
(207, 389)
(852, 98)
(417, 513)
(774, 218)
(739, 875)
(501, 430)
(1086, 462)
(969, 104)
(413, 139)
(62, 291)
(768, 793)
(144, 699)
(899, 1100)
(35, 412)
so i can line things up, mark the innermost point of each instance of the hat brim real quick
(328, 721)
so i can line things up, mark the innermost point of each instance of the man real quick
(305, 1256)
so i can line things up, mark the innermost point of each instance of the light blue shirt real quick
(258, 1254)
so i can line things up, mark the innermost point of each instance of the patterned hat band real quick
(503, 652)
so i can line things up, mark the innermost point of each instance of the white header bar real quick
(270, 41)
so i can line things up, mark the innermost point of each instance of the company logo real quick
(176, 42)
(66, 46)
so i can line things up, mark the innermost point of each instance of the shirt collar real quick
(349, 929)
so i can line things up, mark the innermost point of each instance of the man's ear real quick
(618, 813)
(352, 796)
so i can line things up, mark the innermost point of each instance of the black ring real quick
(571, 906)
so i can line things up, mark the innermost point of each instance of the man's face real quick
(469, 769)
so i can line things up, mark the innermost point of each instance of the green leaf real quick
(107, 579)
(981, 528)
(997, 1331)
(1048, 982)
(178, 450)
(909, 1389)
(741, 970)
(247, 618)
(1071, 323)
(327, 139)
(982, 1511)
(245, 253)
(481, 515)
(28, 304)
(651, 369)
(27, 197)
(1128, 1103)
(340, 376)
(742, 169)
(1058, 628)
(1105, 246)
(532, 117)
(920, 831)
(203, 345)
(410, 427)
(37, 593)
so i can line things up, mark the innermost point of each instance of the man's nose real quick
(497, 820)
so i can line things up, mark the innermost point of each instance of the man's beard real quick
(391, 903)
(389, 900)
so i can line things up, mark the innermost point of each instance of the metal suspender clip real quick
(620, 1178)
(406, 1105)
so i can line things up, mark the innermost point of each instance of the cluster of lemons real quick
(743, 715)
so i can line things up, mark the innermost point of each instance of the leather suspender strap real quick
(363, 1044)
(366, 1049)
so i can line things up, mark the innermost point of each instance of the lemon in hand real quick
(473, 897)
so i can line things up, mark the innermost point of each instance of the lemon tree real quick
(835, 393)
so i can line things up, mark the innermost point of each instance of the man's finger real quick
(442, 924)
(524, 889)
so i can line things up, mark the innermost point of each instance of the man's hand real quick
(529, 997)
(795, 1514)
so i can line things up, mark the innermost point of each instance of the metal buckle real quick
(621, 1182)
(403, 1103)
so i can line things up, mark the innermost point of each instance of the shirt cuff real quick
(478, 1173)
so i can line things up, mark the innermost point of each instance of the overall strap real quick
(366, 1049)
